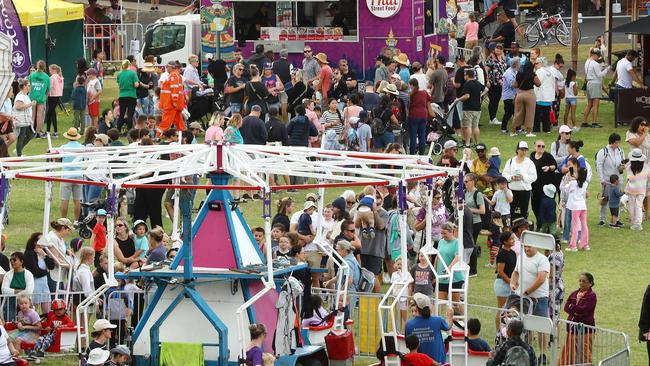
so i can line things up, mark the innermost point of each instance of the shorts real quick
(74, 189)
(372, 263)
(93, 109)
(235, 107)
(313, 259)
(470, 119)
(501, 288)
(571, 101)
(444, 287)
(614, 211)
(594, 90)
(381, 142)
(541, 307)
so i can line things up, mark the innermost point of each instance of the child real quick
(614, 195)
(637, 181)
(56, 318)
(284, 246)
(397, 277)
(328, 220)
(28, 323)
(9, 351)
(258, 235)
(547, 215)
(140, 239)
(276, 233)
(98, 239)
(118, 308)
(423, 277)
(474, 342)
(494, 240)
(320, 316)
(215, 131)
(577, 202)
(305, 226)
(501, 200)
(94, 90)
(79, 102)
(494, 163)
(571, 93)
(365, 216)
(471, 32)
(106, 121)
(414, 357)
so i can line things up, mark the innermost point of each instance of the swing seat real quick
(64, 340)
(315, 335)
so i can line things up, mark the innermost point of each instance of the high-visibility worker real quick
(172, 99)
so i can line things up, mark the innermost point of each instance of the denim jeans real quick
(566, 229)
(146, 104)
(418, 134)
(235, 108)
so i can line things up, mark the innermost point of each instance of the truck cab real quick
(172, 38)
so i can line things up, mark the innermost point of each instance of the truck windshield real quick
(164, 38)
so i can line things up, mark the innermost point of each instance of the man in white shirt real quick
(625, 72)
(532, 280)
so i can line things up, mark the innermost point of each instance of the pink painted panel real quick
(211, 246)
(265, 311)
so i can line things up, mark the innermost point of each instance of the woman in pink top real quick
(471, 32)
(54, 98)
(353, 108)
(312, 116)
(215, 132)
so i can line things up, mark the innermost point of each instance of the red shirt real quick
(418, 104)
(99, 243)
(55, 321)
(418, 359)
(325, 80)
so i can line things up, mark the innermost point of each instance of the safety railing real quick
(113, 39)
(571, 344)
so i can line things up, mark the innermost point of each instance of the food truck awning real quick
(641, 26)
(32, 12)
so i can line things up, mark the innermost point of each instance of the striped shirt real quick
(636, 183)
(332, 117)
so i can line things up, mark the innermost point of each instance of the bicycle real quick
(547, 27)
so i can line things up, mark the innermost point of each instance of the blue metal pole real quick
(154, 331)
(218, 325)
(186, 211)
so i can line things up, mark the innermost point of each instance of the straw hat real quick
(148, 67)
(103, 138)
(308, 205)
(391, 89)
(636, 155)
(402, 59)
(321, 57)
(72, 134)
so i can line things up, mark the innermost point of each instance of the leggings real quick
(127, 109)
(50, 113)
(508, 112)
(579, 223)
(24, 135)
(519, 204)
(495, 97)
(542, 117)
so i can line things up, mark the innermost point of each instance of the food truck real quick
(356, 30)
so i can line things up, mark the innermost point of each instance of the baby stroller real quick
(87, 220)
(512, 310)
(204, 103)
(439, 129)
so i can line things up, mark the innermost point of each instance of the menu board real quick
(301, 33)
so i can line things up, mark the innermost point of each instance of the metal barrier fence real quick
(571, 344)
(113, 39)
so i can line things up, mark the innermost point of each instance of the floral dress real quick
(232, 135)
(496, 68)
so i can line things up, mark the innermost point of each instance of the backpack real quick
(366, 281)
(480, 74)
(517, 356)
(449, 90)
(486, 218)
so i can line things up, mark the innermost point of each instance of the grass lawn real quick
(614, 260)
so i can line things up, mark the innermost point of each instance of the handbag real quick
(265, 104)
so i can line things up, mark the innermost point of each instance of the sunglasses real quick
(350, 230)
(437, 197)
(306, 51)
(566, 133)
(350, 202)
(541, 145)
(119, 225)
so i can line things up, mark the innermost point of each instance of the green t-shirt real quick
(471, 203)
(18, 281)
(125, 80)
(40, 83)
(448, 251)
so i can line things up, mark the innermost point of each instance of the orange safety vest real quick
(171, 92)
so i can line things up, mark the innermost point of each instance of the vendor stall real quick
(355, 30)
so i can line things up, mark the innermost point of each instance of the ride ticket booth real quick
(356, 30)
(636, 101)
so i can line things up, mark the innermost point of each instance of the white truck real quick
(172, 38)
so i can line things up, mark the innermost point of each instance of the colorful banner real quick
(10, 25)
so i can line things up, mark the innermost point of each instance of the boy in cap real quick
(56, 318)
(98, 239)
(120, 356)
(547, 215)
(501, 200)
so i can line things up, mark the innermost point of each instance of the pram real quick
(87, 220)
(439, 129)
(513, 310)
(204, 103)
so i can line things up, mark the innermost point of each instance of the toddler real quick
(215, 131)
(79, 102)
(140, 240)
(614, 194)
(423, 277)
(397, 277)
(494, 162)
(501, 200)
(547, 215)
(258, 235)
(28, 323)
(284, 246)
(474, 342)
(365, 216)
(305, 226)
(99, 235)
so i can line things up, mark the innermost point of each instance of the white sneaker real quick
(495, 121)
(513, 134)
(530, 134)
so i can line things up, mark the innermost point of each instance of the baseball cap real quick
(565, 129)
(522, 145)
(311, 196)
(363, 115)
(196, 125)
(450, 65)
(102, 324)
(268, 66)
(101, 212)
(121, 350)
(450, 144)
(481, 146)
(421, 301)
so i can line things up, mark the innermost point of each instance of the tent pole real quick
(608, 30)
(47, 35)
(574, 34)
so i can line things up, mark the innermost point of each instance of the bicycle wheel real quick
(529, 34)
(563, 33)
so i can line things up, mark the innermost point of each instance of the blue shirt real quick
(581, 162)
(494, 163)
(614, 194)
(547, 211)
(522, 59)
(304, 224)
(404, 74)
(478, 345)
(508, 90)
(70, 159)
(428, 332)
(355, 270)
